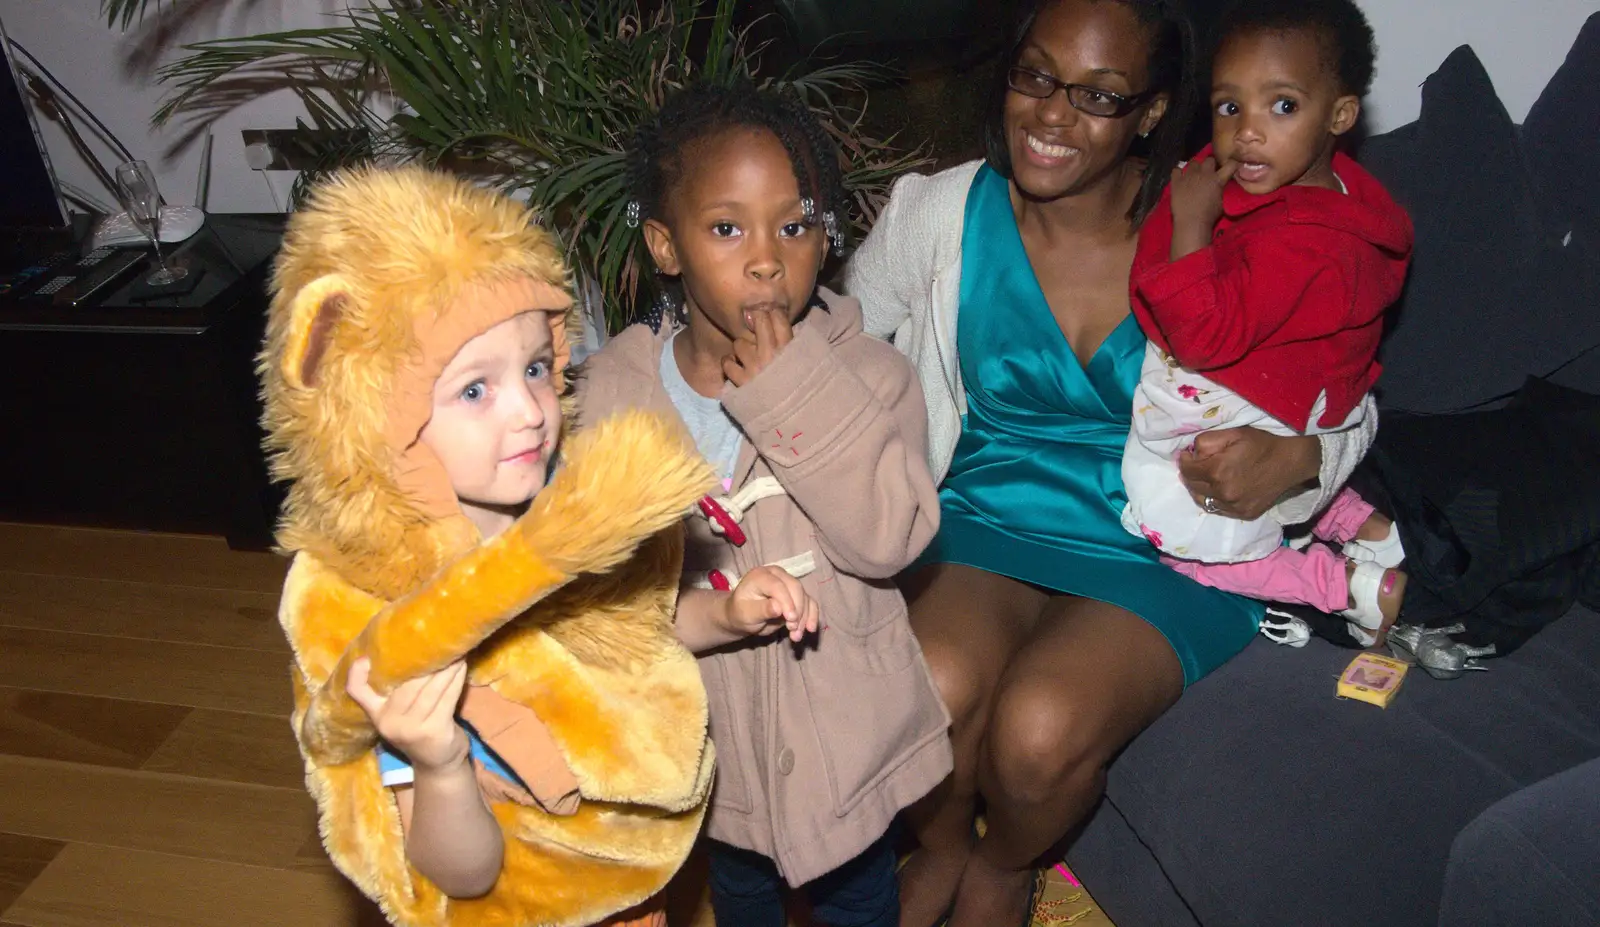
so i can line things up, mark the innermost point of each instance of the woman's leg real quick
(1089, 678)
(970, 623)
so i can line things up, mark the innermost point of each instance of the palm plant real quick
(536, 96)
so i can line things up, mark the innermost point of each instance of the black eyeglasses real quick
(1091, 100)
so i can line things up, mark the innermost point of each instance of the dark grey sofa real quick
(1261, 799)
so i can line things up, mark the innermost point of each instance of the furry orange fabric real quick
(383, 276)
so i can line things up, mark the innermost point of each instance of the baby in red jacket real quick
(1261, 280)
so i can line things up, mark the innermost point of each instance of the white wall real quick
(95, 62)
(1520, 42)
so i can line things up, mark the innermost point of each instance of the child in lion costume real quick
(499, 724)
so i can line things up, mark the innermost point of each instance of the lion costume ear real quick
(313, 315)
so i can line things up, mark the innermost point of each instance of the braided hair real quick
(702, 110)
(1174, 68)
(705, 109)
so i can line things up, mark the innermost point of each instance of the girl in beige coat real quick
(819, 433)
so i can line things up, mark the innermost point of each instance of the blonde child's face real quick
(1277, 109)
(496, 419)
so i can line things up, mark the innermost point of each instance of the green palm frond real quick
(538, 97)
(121, 13)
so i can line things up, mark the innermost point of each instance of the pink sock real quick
(1343, 518)
(1315, 577)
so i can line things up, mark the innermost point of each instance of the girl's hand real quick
(419, 717)
(1197, 204)
(766, 334)
(1245, 471)
(768, 599)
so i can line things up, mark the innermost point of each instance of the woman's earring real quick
(631, 216)
(830, 227)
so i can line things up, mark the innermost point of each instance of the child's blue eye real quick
(538, 370)
(1228, 108)
(473, 391)
(1285, 106)
(724, 229)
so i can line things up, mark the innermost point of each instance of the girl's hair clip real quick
(830, 227)
(808, 210)
(631, 216)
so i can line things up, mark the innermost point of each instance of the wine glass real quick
(136, 188)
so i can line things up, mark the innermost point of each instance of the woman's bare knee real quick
(1042, 742)
(965, 684)
(1090, 679)
(969, 623)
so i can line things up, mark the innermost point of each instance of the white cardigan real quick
(907, 275)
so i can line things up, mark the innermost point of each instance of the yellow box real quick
(1373, 678)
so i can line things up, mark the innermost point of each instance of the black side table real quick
(142, 412)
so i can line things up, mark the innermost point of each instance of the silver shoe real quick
(1434, 651)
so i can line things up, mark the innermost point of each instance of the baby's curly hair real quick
(701, 110)
(1348, 45)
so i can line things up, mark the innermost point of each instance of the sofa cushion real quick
(1563, 146)
(1561, 138)
(1491, 297)
(1530, 859)
(1264, 800)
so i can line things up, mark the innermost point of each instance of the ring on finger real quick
(1210, 505)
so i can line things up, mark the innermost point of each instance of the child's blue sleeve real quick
(395, 770)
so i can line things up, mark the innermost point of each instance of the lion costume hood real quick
(566, 617)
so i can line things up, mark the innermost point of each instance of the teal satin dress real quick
(1035, 489)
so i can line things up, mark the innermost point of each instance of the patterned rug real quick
(1065, 901)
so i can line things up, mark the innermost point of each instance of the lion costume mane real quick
(566, 616)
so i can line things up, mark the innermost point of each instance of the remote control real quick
(89, 279)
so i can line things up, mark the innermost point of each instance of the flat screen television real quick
(29, 197)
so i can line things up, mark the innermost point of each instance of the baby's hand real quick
(767, 599)
(1197, 196)
(419, 717)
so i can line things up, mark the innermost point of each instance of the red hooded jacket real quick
(1288, 299)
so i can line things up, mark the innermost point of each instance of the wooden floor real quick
(148, 777)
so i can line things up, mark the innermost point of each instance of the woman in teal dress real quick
(1034, 490)
(1055, 636)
